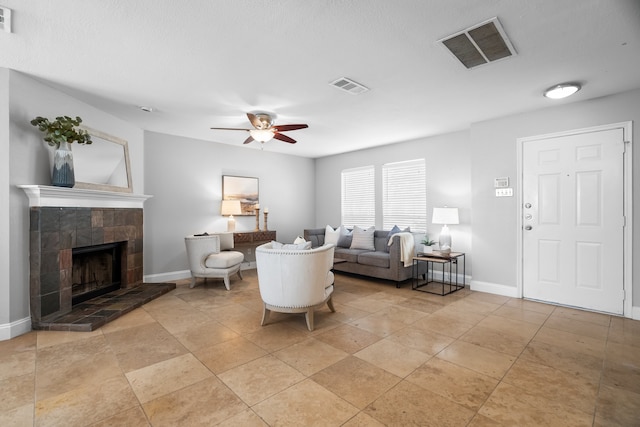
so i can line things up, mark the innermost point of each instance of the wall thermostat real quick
(501, 182)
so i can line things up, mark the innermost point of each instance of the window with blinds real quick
(404, 195)
(358, 197)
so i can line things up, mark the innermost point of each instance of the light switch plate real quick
(504, 192)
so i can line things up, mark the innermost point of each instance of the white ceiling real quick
(205, 63)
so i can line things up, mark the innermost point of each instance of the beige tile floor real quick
(386, 357)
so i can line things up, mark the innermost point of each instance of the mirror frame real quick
(106, 187)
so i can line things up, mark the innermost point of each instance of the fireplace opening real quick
(96, 270)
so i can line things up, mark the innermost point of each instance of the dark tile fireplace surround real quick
(54, 233)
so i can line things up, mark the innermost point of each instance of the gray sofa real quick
(381, 264)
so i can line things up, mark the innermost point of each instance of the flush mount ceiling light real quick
(562, 90)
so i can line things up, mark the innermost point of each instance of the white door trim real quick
(627, 128)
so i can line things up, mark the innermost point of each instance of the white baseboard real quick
(439, 276)
(13, 329)
(167, 277)
(494, 288)
(185, 274)
(635, 313)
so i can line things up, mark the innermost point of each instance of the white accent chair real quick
(209, 256)
(295, 280)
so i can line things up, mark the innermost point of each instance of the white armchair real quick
(209, 256)
(295, 280)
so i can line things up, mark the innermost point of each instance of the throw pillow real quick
(345, 237)
(299, 240)
(395, 230)
(296, 246)
(363, 239)
(332, 236)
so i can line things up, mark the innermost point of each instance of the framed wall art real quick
(244, 189)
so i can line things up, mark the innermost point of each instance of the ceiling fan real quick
(265, 129)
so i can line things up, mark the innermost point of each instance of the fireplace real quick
(95, 271)
(61, 234)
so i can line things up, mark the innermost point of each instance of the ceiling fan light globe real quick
(262, 135)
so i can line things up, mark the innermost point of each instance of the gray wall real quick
(448, 181)
(29, 164)
(493, 152)
(184, 176)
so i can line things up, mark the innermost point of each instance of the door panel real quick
(573, 228)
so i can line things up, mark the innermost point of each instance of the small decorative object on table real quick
(266, 213)
(427, 243)
(60, 133)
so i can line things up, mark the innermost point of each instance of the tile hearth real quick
(92, 314)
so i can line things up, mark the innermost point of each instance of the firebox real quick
(96, 270)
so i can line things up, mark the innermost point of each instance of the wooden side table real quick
(450, 261)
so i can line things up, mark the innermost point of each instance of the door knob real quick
(528, 227)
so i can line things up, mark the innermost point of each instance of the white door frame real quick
(627, 128)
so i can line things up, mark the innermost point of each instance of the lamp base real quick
(445, 240)
(231, 224)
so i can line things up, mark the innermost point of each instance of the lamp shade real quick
(230, 207)
(445, 216)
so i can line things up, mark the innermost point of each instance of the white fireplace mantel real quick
(48, 196)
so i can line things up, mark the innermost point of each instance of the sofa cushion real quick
(363, 239)
(332, 236)
(375, 259)
(350, 255)
(224, 259)
(345, 237)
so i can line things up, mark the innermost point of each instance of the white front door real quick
(573, 219)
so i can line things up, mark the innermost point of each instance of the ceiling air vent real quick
(480, 44)
(348, 85)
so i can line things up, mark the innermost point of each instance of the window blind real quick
(404, 195)
(358, 197)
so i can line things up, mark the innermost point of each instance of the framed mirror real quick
(103, 164)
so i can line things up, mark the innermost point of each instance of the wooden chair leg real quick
(309, 317)
(330, 305)
(240, 274)
(265, 314)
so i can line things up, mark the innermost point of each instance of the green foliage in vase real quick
(63, 128)
(427, 242)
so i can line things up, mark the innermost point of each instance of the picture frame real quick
(243, 188)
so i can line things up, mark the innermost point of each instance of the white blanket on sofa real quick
(407, 247)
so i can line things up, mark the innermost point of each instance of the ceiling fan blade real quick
(230, 129)
(281, 128)
(248, 140)
(284, 138)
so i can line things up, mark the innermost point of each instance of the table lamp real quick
(445, 216)
(231, 208)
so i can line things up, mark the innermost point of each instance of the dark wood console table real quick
(247, 241)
